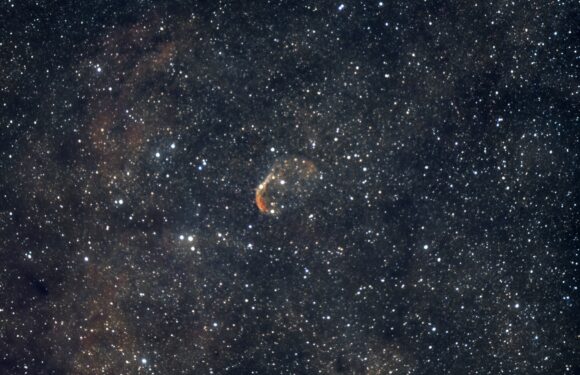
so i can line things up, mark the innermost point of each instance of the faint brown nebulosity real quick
(107, 343)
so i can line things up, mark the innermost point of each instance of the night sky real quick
(326, 187)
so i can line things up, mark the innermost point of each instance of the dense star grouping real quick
(440, 237)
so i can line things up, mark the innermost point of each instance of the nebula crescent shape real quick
(260, 201)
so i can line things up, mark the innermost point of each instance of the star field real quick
(383, 187)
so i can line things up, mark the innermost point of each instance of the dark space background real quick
(441, 238)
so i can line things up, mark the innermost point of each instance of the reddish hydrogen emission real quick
(287, 184)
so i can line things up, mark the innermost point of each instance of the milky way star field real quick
(289, 187)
